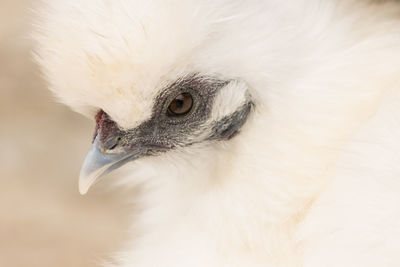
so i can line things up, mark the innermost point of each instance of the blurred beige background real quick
(43, 219)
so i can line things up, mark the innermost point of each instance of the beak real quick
(99, 163)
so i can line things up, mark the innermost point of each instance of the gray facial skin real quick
(113, 147)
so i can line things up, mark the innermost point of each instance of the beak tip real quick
(85, 182)
(82, 192)
(82, 189)
(92, 168)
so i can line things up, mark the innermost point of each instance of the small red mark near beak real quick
(105, 126)
(100, 116)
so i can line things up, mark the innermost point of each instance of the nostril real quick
(110, 144)
(116, 143)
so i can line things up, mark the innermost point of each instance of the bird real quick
(260, 132)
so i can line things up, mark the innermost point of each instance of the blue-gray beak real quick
(99, 163)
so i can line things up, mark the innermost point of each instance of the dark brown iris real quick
(181, 105)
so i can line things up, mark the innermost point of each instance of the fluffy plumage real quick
(312, 177)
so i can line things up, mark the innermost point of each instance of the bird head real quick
(189, 111)
(154, 76)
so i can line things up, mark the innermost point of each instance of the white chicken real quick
(262, 133)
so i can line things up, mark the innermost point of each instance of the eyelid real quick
(203, 89)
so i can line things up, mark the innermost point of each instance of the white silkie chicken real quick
(262, 133)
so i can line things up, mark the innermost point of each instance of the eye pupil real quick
(181, 105)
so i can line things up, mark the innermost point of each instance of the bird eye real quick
(181, 105)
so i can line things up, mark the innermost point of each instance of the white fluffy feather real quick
(313, 178)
